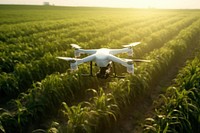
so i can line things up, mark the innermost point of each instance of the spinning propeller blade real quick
(131, 45)
(136, 60)
(72, 60)
(140, 60)
(75, 46)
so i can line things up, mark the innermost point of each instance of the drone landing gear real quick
(114, 72)
(91, 74)
(104, 72)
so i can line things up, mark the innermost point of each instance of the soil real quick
(143, 107)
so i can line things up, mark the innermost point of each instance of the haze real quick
(167, 4)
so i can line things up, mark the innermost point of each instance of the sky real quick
(167, 4)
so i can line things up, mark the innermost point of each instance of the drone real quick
(104, 58)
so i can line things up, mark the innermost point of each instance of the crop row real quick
(138, 82)
(102, 110)
(22, 105)
(30, 71)
(178, 110)
(25, 74)
(28, 48)
(36, 45)
(42, 13)
(11, 32)
(36, 70)
(18, 14)
(32, 93)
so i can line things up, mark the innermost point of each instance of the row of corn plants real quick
(122, 97)
(25, 74)
(25, 110)
(55, 87)
(60, 25)
(33, 73)
(178, 110)
(41, 42)
(42, 100)
(98, 116)
(36, 45)
(19, 109)
(11, 32)
(18, 14)
(32, 47)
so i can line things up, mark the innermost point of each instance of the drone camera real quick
(104, 72)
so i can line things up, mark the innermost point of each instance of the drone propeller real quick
(75, 46)
(136, 60)
(131, 45)
(71, 60)
(140, 60)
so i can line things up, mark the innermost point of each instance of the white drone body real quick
(103, 58)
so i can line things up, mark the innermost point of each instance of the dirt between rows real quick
(134, 115)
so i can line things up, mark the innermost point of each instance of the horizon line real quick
(52, 5)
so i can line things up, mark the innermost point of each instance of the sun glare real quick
(129, 3)
(169, 4)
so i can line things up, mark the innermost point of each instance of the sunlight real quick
(142, 3)
(169, 4)
(128, 3)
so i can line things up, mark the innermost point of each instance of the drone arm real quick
(123, 50)
(87, 59)
(126, 63)
(75, 62)
(81, 61)
(128, 49)
(78, 52)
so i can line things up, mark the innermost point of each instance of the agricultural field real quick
(178, 109)
(39, 94)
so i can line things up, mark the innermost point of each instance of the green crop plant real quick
(106, 107)
(1, 127)
(147, 74)
(190, 75)
(21, 110)
(98, 112)
(31, 74)
(25, 74)
(121, 90)
(179, 110)
(173, 116)
(44, 43)
(9, 85)
(77, 117)
(47, 96)
(7, 120)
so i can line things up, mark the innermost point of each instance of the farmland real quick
(39, 94)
